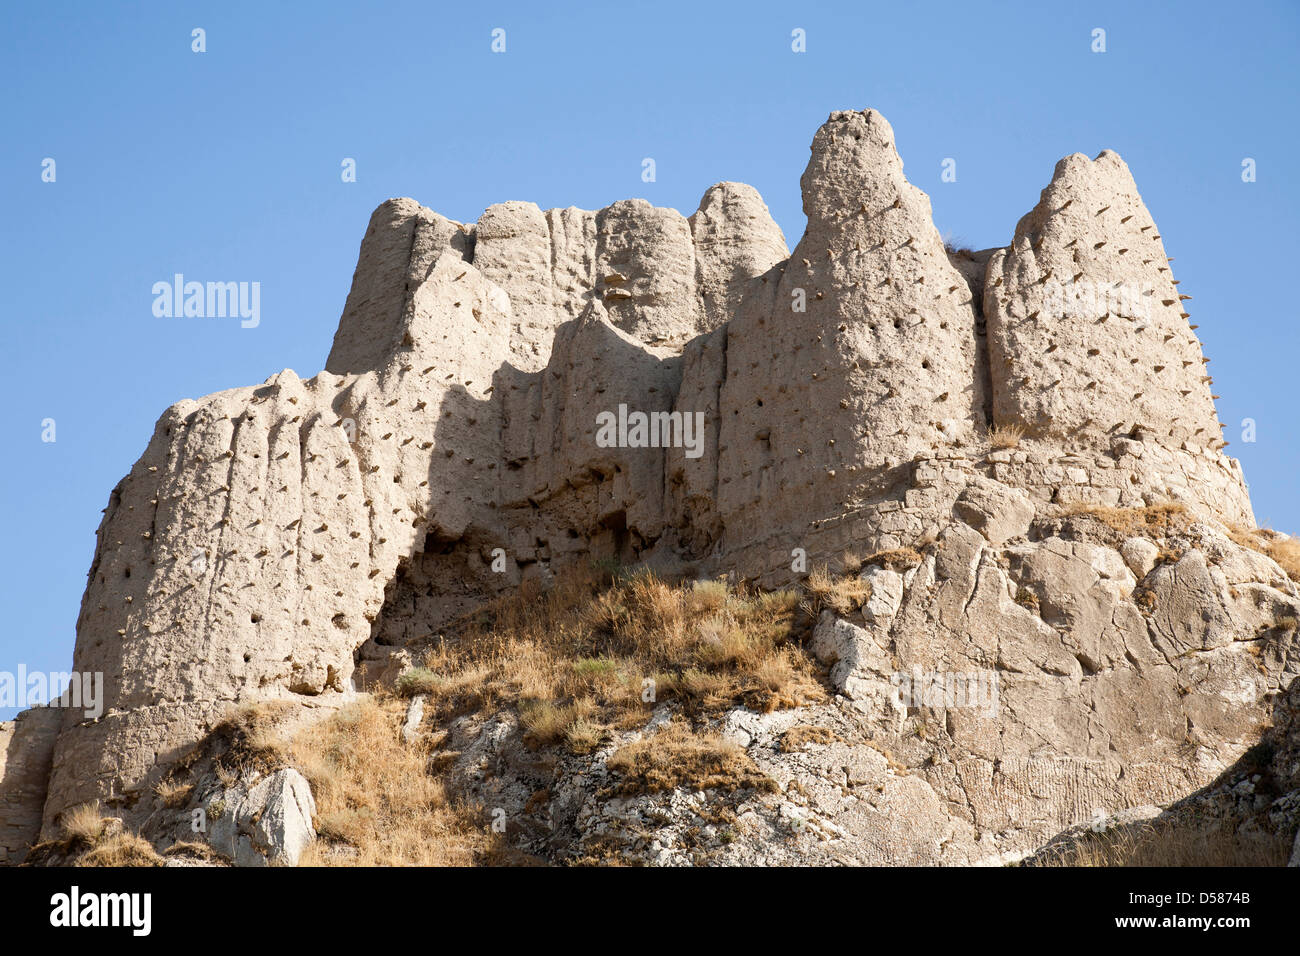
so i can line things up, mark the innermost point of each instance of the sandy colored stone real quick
(288, 541)
(26, 749)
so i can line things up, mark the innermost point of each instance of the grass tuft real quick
(1155, 520)
(417, 680)
(678, 756)
(1006, 436)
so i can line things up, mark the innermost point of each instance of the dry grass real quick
(798, 737)
(1006, 436)
(895, 559)
(1028, 599)
(376, 796)
(1163, 843)
(255, 737)
(1152, 521)
(84, 824)
(1282, 549)
(121, 849)
(843, 595)
(597, 651)
(1169, 555)
(173, 794)
(193, 851)
(677, 756)
(90, 839)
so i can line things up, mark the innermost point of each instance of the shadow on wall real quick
(551, 499)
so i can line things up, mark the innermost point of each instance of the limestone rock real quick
(843, 645)
(886, 595)
(996, 511)
(267, 823)
(414, 715)
(1140, 556)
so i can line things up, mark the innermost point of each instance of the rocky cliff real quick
(1022, 442)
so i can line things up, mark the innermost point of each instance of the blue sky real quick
(225, 165)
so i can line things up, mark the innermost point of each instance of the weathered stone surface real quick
(26, 750)
(886, 595)
(866, 356)
(735, 241)
(414, 714)
(843, 645)
(1087, 273)
(401, 243)
(287, 540)
(248, 550)
(996, 511)
(267, 823)
(1087, 332)
(1140, 555)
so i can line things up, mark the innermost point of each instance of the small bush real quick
(417, 680)
(842, 594)
(1006, 436)
(800, 736)
(84, 824)
(1152, 521)
(677, 756)
(173, 794)
(255, 735)
(953, 248)
(895, 559)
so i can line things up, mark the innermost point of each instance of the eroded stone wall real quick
(271, 536)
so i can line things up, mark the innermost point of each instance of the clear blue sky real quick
(225, 165)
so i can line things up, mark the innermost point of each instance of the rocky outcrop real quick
(266, 824)
(1044, 681)
(286, 541)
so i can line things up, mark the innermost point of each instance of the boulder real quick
(994, 510)
(267, 822)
